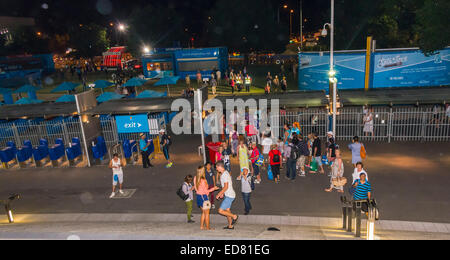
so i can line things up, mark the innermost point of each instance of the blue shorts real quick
(226, 203)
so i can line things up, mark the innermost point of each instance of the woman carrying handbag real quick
(337, 174)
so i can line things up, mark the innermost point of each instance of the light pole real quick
(290, 23)
(301, 25)
(332, 73)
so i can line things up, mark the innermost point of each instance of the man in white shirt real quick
(228, 194)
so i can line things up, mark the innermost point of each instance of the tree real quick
(88, 40)
(246, 26)
(433, 21)
(23, 40)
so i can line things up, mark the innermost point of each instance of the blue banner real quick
(389, 68)
(411, 69)
(314, 68)
(132, 124)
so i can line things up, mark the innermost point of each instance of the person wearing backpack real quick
(255, 156)
(187, 189)
(303, 150)
(166, 142)
(246, 189)
(275, 162)
(291, 155)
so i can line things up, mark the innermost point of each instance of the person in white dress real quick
(368, 123)
(117, 164)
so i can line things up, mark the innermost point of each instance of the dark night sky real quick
(84, 11)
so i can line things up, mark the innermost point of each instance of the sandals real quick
(228, 228)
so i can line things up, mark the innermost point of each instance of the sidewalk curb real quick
(268, 220)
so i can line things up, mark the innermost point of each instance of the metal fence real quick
(389, 124)
(36, 129)
(112, 137)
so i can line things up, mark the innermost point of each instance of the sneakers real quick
(191, 221)
(213, 206)
(112, 195)
(169, 165)
(257, 182)
(121, 192)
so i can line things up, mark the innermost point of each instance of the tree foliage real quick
(22, 40)
(88, 40)
(433, 23)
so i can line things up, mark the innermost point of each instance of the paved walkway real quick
(173, 226)
(410, 182)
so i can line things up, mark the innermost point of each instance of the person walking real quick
(228, 194)
(214, 86)
(219, 154)
(276, 84)
(218, 76)
(188, 190)
(337, 171)
(199, 77)
(243, 155)
(267, 143)
(290, 155)
(362, 191)
(143, 146)
(188, 81)
(357, 172)
(116, 164)
(317, 152)
(248, 82)
(254, 159)
(368, 123)
(226, 156)
(166, 142)
(284, 85)
(246, 189)
(303, 150)
(202, 190)
(211, 180)
(275, 162)
(356, 147)
(234, 140)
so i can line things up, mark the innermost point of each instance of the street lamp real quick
(121, 27)
(290, 23)
(332, 73)
(146, 49)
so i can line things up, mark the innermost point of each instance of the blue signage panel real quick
(132, 124)
(411, 68)
(314, 68)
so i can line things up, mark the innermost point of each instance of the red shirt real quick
(272, 153)
(255, 155)
(250, 130)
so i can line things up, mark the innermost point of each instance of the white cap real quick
(162, 131)
(330, 133)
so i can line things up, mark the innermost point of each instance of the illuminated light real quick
(10, 216)
(121, 27)
(111, 24)
(292, 11)
(285, 6)
(332, 73)
(39, 33)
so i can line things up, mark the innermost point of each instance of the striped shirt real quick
(362, 190)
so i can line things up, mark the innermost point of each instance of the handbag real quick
(314, 165)
(206, 203)
(260, 160)
(269, 173)
(363, 152)
(181, 194)
(339, 182)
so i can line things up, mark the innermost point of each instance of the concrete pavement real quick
(410, 182)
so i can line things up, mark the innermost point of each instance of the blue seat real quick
(56, 152)
(7, 154)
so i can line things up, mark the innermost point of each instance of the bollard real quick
(349, 218)
(370, 231)
(358, 219)
(344, 212)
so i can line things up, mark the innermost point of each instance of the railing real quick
(389, 124)
(351, 216)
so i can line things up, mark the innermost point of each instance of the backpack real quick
(235, 136)
(294, 153)
(276, 158)
(181, 193)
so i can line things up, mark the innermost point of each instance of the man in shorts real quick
(116, 164)
(228, 194)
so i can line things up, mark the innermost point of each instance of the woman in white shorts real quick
(116, 164)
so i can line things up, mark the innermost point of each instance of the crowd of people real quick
(293, 155)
